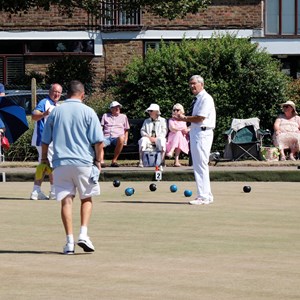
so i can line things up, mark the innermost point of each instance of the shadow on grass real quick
(146, 202)
(39, 252)
(14, 198)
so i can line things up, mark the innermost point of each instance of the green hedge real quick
(243, 80)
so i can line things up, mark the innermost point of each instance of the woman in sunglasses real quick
(178, 135)
(287, 131)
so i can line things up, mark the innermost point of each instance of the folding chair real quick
(244, 139)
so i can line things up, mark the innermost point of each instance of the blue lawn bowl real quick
(173, 188)
(129, 191)
(188, 193)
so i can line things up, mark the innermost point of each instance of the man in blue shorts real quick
(115, 127)
(77, 137)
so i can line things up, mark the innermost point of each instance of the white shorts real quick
(67, 178)
(49, 154)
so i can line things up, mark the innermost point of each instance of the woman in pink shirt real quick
(178, 136)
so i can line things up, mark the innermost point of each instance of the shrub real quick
(243, 80)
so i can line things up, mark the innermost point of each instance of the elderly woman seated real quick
(178, 135)
(287, 131)
(154, 131)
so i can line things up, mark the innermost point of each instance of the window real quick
(11, 68)
(282, 17)
(60, 46)
(113, 15)
(156, 44)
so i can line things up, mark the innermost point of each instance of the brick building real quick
(29, 42)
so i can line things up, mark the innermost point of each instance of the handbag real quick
(5, 143)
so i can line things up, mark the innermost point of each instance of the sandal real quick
(177, 165)
(114, 165)
(292, 157)
(283, 158)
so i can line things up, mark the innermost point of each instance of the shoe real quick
(292, 157)
(177, 165)
(141, 165)
(170, 154)
(103, 165)
(86, 244)
(114, 165)
(282, 158)
(69, 248)
(52, 196)
(199, 201)
(38, 196)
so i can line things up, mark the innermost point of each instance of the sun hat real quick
(153, 107)
(290, 103)
(114, 104)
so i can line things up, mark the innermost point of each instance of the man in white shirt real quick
(203, 122)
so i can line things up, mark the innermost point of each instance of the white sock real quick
(36, 188)
(83, 231)
(70, 239)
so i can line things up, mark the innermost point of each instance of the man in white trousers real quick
(203, 122)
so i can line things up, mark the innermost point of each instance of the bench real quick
(131, 150)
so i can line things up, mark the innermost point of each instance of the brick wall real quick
(230, 13)
(39, 19)
(221, 14)
(119, 53)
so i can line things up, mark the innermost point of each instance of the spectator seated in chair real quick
(178, 136)
(115, 128)
(153, 134)
(287, 131)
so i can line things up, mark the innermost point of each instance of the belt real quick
(203, 128)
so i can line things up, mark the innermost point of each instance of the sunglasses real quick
(286, 106)
(176, 109)
(150, 111)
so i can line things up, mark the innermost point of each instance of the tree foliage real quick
(68, 68)
(167, 9)
(244, 81)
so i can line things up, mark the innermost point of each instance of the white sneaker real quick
(69, 248)
(141, 165)
(86, 244)
(52, 196)
(35, 195)
(199, 201)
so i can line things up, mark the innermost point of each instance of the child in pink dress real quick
(178, 136)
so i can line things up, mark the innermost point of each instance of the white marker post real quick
(158, 174)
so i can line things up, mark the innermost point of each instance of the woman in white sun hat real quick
(153, 133)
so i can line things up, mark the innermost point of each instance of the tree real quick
(68, 68)
(244, 81)
(164, 8)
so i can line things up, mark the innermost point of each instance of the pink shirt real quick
(114, 126)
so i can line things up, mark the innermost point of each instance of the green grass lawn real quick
(153, 245)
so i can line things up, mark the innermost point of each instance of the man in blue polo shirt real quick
(77, 137)
(40, 115)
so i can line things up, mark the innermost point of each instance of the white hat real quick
(290, 103)
(153, 107)
(114, 104)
